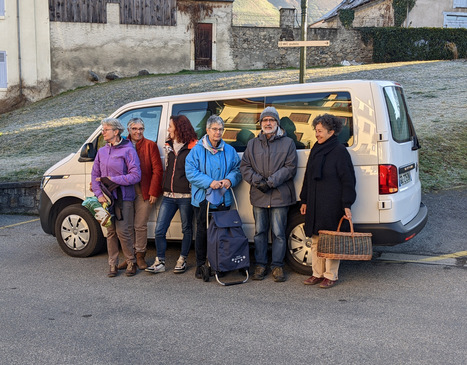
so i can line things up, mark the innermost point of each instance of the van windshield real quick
(401, 124)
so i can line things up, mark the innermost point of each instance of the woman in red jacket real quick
(176, 192)
(147, 190)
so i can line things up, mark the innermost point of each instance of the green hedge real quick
(415, 44)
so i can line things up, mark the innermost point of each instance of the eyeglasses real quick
(271, 120)
(137, 129)
(215, 130)
(108, 129)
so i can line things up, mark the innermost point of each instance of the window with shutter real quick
(460, 4)
(3, 83)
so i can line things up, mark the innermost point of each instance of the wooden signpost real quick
(304, 44)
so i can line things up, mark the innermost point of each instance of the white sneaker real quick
(157, 266)
(180, 267)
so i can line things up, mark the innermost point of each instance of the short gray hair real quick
(114, 124)
(214, 119)
(135, 121)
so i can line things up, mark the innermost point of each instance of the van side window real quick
(398, 114)
(298, 111)
(240, 116)
(151, 117)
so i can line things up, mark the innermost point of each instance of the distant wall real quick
(20, 197)
(256, 48)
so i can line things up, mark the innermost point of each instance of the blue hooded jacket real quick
(202, 167)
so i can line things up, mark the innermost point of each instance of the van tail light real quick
(388, 180)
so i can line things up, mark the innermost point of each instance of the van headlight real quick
(46, 178)
(44, 181)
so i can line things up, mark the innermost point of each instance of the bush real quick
(416, 44)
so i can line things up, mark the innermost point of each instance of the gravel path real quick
(38, 135)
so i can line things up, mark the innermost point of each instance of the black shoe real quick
(260, 273)
(199, 272)
(206, 272)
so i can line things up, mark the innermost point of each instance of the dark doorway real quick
(203, 46)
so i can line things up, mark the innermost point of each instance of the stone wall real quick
(20, 197)
(257, 48)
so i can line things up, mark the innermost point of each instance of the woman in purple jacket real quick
(117, 167)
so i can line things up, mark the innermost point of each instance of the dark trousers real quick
(201, 243)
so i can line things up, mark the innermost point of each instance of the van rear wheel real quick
(77, 232)
(298, 254)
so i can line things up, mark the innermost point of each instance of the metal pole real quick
(303, 49)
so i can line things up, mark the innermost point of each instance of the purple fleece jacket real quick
(121, 164)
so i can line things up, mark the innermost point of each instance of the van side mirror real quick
(88, 153)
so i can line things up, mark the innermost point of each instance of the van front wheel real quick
(298, 254)
(77, 232)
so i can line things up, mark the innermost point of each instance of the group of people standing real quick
(130, 170)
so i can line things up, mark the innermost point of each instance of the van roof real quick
(252, 92)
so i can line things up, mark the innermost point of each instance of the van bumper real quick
(390, 234)
(45, 209)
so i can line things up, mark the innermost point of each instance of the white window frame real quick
(3, 73)
(456, 4)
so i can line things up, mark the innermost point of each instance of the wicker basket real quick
(345, 245)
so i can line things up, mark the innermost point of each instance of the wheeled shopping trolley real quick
(228, 247)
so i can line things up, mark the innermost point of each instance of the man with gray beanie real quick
(269, 165)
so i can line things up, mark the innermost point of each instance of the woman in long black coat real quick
(327, 194)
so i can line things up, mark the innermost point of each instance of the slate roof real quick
(346, 4)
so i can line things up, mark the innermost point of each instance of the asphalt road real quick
(56, 309)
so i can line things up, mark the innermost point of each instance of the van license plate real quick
(405, 178)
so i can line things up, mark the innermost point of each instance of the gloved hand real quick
(262, 186)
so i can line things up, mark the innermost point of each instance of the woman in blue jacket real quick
(214, 164)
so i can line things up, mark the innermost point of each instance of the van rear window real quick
(297, 111)
(398, 114)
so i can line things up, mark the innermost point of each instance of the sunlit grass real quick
(35, 137)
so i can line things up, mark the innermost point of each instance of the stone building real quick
(380, 13)
(57, 45)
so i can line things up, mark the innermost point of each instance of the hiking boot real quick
(278, 274)
(180, 267)
(130, 269)
(326, 283)
(157, 266)
(199, 272)
(140, 262)
(313, 280)
(260, 273)
(113, 271)
(122, 265)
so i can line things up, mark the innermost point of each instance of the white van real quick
(378, 132)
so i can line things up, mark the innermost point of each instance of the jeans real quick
(168, 208)
(276, 219)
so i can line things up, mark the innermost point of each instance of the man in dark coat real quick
(269, 165)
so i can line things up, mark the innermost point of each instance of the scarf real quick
(318, 156)
(209, 147)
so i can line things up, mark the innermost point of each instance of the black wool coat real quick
(328, 187)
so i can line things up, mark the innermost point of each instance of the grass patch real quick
(442, 162)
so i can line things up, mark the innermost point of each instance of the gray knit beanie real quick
(270, 111)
